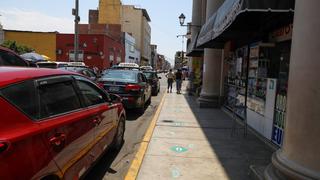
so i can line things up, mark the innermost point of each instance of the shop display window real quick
(236, 81)
(259, 62)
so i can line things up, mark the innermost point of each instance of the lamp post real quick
(182, 51)
(75, 12)
(182, 18)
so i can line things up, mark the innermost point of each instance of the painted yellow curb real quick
(137, 161)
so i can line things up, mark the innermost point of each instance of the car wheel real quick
(119, 137)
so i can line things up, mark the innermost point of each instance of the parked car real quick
(86, 71)
(153, 79)
(10, 58)
(54, 124)
(131, 85)
(129, 66)
(51, 64)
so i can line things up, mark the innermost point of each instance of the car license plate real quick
(114, 88)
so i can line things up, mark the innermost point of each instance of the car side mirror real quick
(115, 98)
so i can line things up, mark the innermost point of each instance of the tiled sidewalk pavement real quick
(196, 144)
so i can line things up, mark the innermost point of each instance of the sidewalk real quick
(193, 143)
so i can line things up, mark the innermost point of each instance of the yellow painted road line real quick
(137, 161)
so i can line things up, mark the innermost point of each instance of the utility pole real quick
(75, 12)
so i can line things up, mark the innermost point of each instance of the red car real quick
(10, 58)
(54, 124)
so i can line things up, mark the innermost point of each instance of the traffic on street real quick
(159, 90)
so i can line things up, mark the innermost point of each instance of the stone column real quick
(299, 158)
(210, 96)
(196, 21)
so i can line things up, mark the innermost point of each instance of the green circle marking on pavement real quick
(175, 173)
(178, 149)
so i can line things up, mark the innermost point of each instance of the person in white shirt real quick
(170, 77)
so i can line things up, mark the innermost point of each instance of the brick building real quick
(97, 50)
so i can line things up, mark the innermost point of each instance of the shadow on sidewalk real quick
(236, 153)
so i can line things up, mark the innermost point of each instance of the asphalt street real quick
(115, 165)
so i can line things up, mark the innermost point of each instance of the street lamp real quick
(182, 18)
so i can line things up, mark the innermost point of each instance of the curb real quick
(138, 158)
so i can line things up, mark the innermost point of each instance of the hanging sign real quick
(282, 34)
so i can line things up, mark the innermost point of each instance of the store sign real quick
(282, 34)
(277, 135)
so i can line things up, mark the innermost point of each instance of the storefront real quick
(255, 82)
(256, 38)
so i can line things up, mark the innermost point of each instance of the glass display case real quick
(257, 77)
(236, 81)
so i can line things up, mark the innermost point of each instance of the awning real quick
(244, 19)
(192, 50)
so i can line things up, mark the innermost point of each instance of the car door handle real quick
(96, 121)
(3, 146)
(58, 139)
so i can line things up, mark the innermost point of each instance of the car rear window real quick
(23, 96)
(123, 76)
(150, 75)
(10, 59)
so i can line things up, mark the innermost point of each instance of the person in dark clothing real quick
(178, 77)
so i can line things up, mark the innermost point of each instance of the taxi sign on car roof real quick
(76, 64)
(131, 65)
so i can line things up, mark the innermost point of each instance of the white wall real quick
(132, 54)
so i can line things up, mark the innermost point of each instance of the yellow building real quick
(109, 12)
(43, 42)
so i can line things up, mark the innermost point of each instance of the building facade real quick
(43, 42)
(135, 21)
(96, 50)
(1, 34)
(132, 54)
(109, 12)
(154, 56)
(180, 60)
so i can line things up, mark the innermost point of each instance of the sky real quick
(55, 15)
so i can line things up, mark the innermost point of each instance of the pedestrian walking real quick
(178, 77)
(170, 78)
